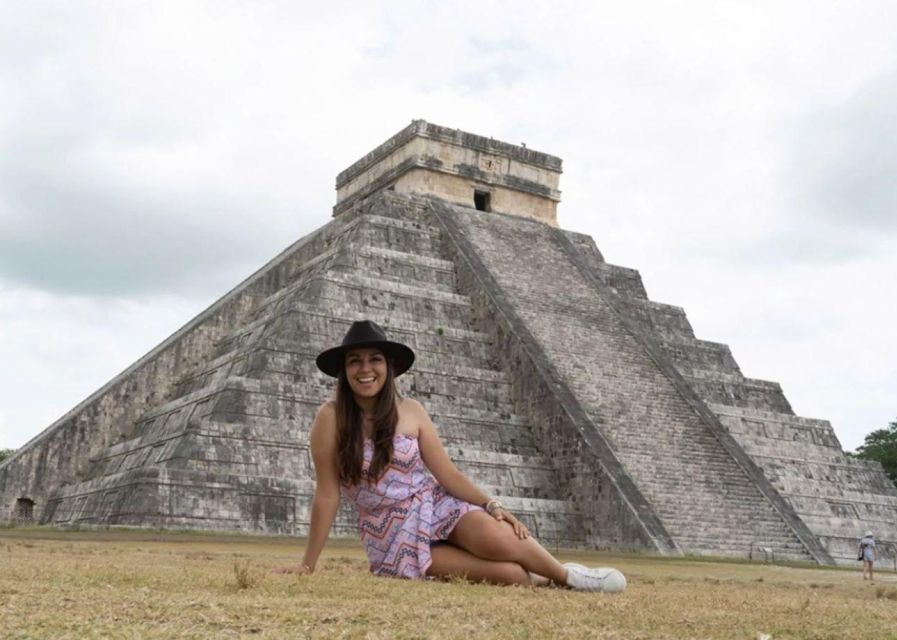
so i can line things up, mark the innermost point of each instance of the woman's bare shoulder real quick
(324, 427)
(412, 408)
(328, 409)
(410, 404)
(415, 417)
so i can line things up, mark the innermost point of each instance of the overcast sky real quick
(741, 155)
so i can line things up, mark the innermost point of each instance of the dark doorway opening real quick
(24, 511)
(481, 200)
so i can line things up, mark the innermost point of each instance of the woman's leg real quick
(451, 561)
(487, 538)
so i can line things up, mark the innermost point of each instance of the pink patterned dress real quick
(404, 513)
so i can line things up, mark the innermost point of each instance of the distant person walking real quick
(867, 553)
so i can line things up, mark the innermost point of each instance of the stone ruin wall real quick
(542, 280)
(832, 494)
(65, 450)
(613, 511)
(449, 164)
(836, 496)
(230, 451)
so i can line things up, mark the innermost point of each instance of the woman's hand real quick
(502, 515)
(301, 569)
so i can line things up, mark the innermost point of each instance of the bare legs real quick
(482, 548)
(452, 561)
(867, 566)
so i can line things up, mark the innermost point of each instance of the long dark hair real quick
(350, 435)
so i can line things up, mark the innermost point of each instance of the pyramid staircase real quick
(836, 496)
(228, 449)
(556, 384)
(593, 412)
(705, 499)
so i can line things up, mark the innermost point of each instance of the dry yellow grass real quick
(142, 585)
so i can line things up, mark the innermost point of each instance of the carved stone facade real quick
(595, 413)
(458, 167)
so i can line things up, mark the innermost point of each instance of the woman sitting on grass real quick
(379, 450)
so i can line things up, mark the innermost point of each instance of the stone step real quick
(502, 474)
(413, 236)
(238, 395)
(767, 416)
(399, 266)
(719, 388)
(712, 465)
(694, 356)
(518, 475)
(719, 537)
(353, 296)
(624, 281)
(754, 508)
(681, 460)
(427, 377)
(716, 485)
(712, 546)
(704, 490)
(776, 426)
(848, 527)
(665, 322)
(708, 511)
(368, 292)
(455, 421)
(322, 328)
(499, 440)
(710, 535)
(329, 248)
(836, 490)
(458, 436)
(677, 439)
(430, 376)
(779, 449)
(483, 389)
(719, 483)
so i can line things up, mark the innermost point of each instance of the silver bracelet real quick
(492, 506)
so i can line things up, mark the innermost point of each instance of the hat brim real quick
(333, 360)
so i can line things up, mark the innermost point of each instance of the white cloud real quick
(59, 349)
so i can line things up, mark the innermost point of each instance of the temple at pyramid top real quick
(459, 167)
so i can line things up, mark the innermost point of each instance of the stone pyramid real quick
(594, 413)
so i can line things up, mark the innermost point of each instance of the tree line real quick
(881, 445)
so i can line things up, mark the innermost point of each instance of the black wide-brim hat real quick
(365, 333)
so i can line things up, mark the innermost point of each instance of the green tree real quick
(5, 453)
(881, 445)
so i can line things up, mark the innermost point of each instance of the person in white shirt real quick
(867, 553)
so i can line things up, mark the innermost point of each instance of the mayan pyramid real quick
(556, 383)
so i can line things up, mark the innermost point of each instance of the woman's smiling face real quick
(366, 371)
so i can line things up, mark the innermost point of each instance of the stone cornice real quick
(424, 129)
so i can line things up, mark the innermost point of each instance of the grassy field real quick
(106, 584)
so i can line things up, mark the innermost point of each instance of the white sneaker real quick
(583, 578)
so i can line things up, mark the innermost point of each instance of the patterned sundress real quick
(404, 513)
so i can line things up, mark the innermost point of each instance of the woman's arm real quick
(448, 475)
(327, 496)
